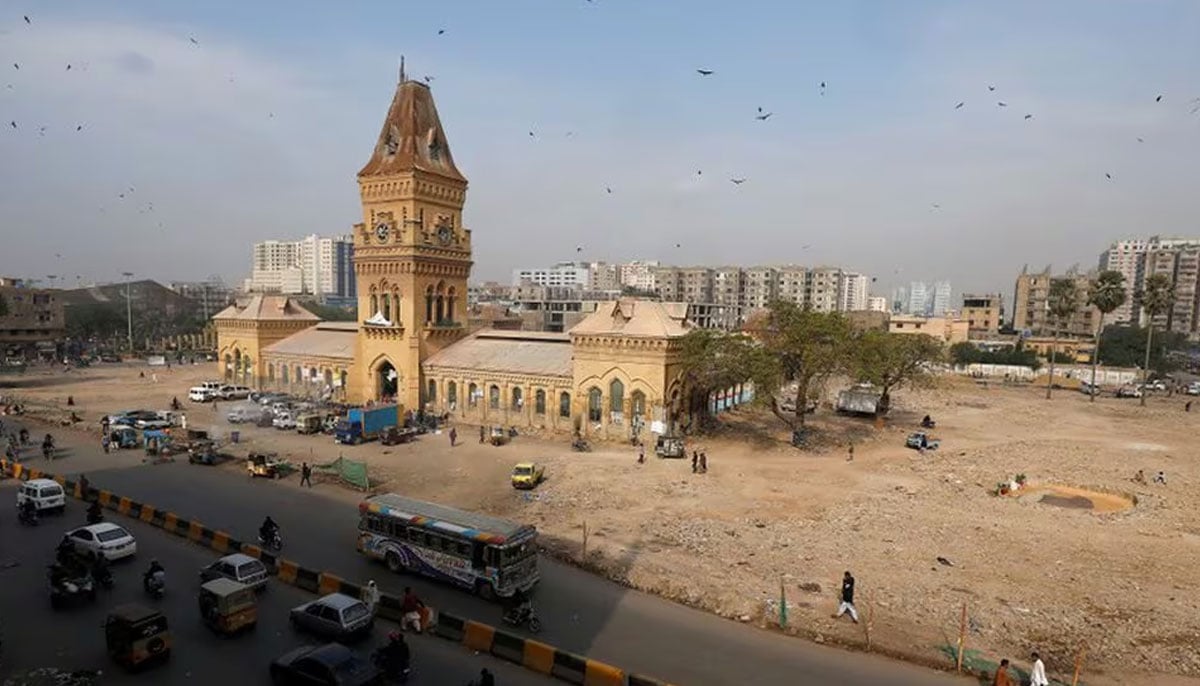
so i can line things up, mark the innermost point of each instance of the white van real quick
(46, 494)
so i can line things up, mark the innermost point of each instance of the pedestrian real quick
(641, 454)
(370, 595)
(1037, 673)
(410, 610)
(453, 436)
(695, 460)
(1160, 478)
(306, 477)
(847, 604)
(1001, 678)
(481, 433)
(1187, 407)
(104, 426)
(486, 678)
(104, 443)
(850, 457)
(703, 462)
(84, 486)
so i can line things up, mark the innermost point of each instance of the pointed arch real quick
(539, 401)
(429, 304)
(616, 396)
(595, 404)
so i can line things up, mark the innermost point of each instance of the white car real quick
(284, 421)
(46, 494)
(200, 394)
(105, 539)
(1193, 389)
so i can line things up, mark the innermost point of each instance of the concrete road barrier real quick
(533, 655)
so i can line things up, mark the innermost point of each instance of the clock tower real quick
(412, 255)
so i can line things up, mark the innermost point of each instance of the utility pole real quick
(128, 310)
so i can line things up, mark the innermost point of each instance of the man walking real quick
(641, 454)
(104, 442)
(695, 460)
(370, 595)
(847, 604)
(1037, 673)
(453, 436)
(1001, 678)
(481, 433)
(410, 610)
(703, 462)
(305, 474)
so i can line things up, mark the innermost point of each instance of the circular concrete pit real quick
(1071, 498)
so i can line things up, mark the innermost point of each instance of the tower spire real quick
(402, 77)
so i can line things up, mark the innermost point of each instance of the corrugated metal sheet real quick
(511, 352)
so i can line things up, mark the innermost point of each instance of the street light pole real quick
(128, 311)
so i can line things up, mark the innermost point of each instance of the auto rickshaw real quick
(309, 423)
(498, 436)
(136, 635)
(123, 437)
(265, 464)
(228, 607)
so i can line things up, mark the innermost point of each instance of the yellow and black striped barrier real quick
(533, 655)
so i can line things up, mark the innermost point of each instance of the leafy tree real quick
(1106, 293)
(1061, 303)
(890, 360)
(1125, 346)
(803, 347)
(967, 353)
(712, 361)
(1157, 297)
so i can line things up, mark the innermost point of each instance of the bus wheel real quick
(393, 563)
(486, 591)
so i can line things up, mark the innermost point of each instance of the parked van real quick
(46, 494)
(234, 392)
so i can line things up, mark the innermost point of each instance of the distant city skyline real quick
(182, 136)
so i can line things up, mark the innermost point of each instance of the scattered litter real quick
(944, 561)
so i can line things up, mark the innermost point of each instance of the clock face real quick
(382, 230)
(444, 235)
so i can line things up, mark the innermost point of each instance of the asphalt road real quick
(35, 636)
(580, 612)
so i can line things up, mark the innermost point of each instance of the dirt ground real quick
(1043, 570)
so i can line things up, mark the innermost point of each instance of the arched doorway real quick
(387, 381)
(228, 367)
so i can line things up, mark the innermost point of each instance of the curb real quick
(484, 638)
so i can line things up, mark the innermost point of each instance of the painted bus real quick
(489, 556)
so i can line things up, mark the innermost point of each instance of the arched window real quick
(450, 296)
(374, 305)
(299, 376)
(518, 399)
(270, 372)
(564, 404)
(616, 396)
(396, 305)
(452, 393)
(329, 378)
(283, 373)
(387, 307)
(228, 366)
(441, 303)
(594, 404)
(431, 392)
(494, 397)
(472, 395)
(539, 401)
(637, 402)
(429, 305)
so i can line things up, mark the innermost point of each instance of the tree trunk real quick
(1146, 367)
(1053, 355)
(1096, 357)
(801, 403)
(885, 403)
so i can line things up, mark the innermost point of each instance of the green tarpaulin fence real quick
(353, 473)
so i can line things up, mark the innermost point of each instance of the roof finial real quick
(402, 78)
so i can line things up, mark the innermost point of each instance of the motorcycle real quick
(66, 587)
(155, 585)
(29, 517)
(103, 576)
(523, 615)
(95, 516)
(273, 542)
(397, 674)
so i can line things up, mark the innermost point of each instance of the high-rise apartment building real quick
(918, 297)
(639, 275)
(877, 303)
(940, 303)
(1128, 258)
(604, 277)
(852, 296)
(1031, 305)
(561, 274)
(1181, 264)
(315, 265)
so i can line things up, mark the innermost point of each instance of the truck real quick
(861, 399)
(366, 424)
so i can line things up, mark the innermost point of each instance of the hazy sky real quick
(257, 129)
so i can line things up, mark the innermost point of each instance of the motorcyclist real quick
(29, 509)
(155, 573)
(269, 530)
(518, 606)
(23, 435)
(94, 513)
(65, 552)
(100, 570)
(395, 656)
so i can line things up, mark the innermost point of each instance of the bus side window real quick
(477, 555)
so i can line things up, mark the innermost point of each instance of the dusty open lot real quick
(1048, 569)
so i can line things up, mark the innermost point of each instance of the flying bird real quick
(16, 66)
(27, 20)
(608, 189)
(441, 31)
(531, 134)
(193, 40)
(429, 79)
(764, 116)
(1002, 104)
(1108, 176)
(699, 172)
(705, 72)
(13, 123)
(1028, 117)
(68, 67)
(579, 248)
(738, 182)
(1141, 140)
(991, 88)
(935, 206)
(822, 88)
(676, 245)
(804, 247)
(959, 106)
(1158, 99)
